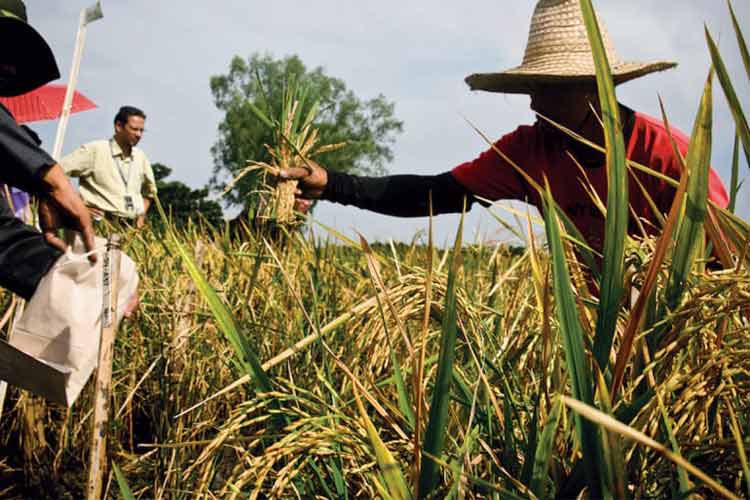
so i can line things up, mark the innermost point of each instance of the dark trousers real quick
(25, 257)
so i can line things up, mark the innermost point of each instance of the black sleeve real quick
(399, 195)
(22, 161)
(25, 257)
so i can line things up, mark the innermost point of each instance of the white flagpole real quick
(88, 16)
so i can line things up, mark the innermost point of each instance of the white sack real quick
(61, 326)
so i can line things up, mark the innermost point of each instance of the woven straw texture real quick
(558, 50)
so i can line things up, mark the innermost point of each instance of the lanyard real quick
(119, 168)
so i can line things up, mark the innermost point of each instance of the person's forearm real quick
(399, 195)
(146, 205)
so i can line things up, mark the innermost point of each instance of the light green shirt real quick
(107, 176)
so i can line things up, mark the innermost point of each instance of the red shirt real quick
(541, 151)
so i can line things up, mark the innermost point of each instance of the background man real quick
(559, 75)
(27, 62)
(116, 179)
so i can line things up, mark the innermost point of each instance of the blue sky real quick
(160, 54)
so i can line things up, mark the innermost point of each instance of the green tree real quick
(182, 202)
(368, 127)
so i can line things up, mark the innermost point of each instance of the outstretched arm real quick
(398, 195)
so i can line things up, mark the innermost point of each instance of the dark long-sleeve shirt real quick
(399, 195)
(25, 257)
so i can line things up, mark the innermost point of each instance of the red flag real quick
(44, 103)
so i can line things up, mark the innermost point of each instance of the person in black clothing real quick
(27, 62)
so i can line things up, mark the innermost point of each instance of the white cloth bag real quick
(55, 344)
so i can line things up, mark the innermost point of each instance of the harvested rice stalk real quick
(295, 144)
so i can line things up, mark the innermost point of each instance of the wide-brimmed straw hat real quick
(558, 51)
(23, 48)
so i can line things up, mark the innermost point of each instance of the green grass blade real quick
(639, 311)
(403, 397)
(691, 232)
(226, 322)
(457, 463)
(616, 476)
(544, 451)
(734, 183)
(740, 119)
(616, 225)
(246, 357)
(575, 354)
(390, 469)
(260, 115)
(531, 445)
(740, 443)
(510, 456)
(311, 114)
(122, 483)
(740, 40)
(434, 438)
(682, 477)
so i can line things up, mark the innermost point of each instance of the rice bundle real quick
(295, 143)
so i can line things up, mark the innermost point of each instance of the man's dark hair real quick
(126, 112)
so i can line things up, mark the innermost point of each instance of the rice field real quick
(314, 366)
(344, 413)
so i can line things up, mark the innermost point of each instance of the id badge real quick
(129, 203)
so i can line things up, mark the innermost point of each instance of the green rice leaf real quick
(690, 237)
(403, 397)
(616, 225)
(740, 40)
(740, 118)
(122, 483)
(682, 477)
(734, 183)
(390, 469)
(510, 455)
(575, 354)
(544, 451)
(531, 445)
(434, 439)
(260, 115)
(616, 476)
(246, 358)
(739, 442)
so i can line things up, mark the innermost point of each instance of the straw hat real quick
(558, 50)
(23, 48)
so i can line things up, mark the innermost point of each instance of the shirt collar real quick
(117, 150)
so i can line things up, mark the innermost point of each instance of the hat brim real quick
(23, 47)
(523, 81)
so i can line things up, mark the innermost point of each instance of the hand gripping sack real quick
(55, 344)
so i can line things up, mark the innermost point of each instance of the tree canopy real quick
(182, 202)
(367, 126)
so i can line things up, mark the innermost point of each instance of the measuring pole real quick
(102, 388)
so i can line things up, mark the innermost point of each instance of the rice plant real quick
(345, 369)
